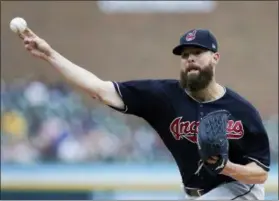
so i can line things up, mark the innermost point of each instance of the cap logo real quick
(191, 35)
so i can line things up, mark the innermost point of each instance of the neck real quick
(212, 92)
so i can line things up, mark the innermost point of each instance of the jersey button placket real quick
(201, 112)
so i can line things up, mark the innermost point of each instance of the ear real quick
(216, 57)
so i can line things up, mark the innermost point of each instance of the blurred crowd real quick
(43, 123)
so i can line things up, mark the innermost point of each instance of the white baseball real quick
(18, 24)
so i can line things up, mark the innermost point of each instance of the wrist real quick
(229, 169)
(52, 55)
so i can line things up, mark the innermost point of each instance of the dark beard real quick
(196, 83)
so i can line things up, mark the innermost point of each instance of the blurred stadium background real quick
(57, 143)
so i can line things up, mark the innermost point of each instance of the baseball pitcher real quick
(216, 136)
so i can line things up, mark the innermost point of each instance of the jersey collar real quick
(225, 90)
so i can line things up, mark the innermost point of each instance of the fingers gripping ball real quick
(213, 145)
(18, 25)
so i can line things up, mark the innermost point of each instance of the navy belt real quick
(194, 192)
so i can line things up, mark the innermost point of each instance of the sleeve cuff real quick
(265, 167)
(125, 109)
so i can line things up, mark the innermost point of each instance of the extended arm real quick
(104, 91)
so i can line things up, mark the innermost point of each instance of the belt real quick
(194, 192)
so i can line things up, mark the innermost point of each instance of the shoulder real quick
(242, 109)
(156, 81)
(240, 101)
(150, 83)
(167, 83)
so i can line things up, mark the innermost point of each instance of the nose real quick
(191, 58)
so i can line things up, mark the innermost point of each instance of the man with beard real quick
(175, 107)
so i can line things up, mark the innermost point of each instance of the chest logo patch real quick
(189, 129)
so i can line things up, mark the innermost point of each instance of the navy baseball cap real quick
(198, 38)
